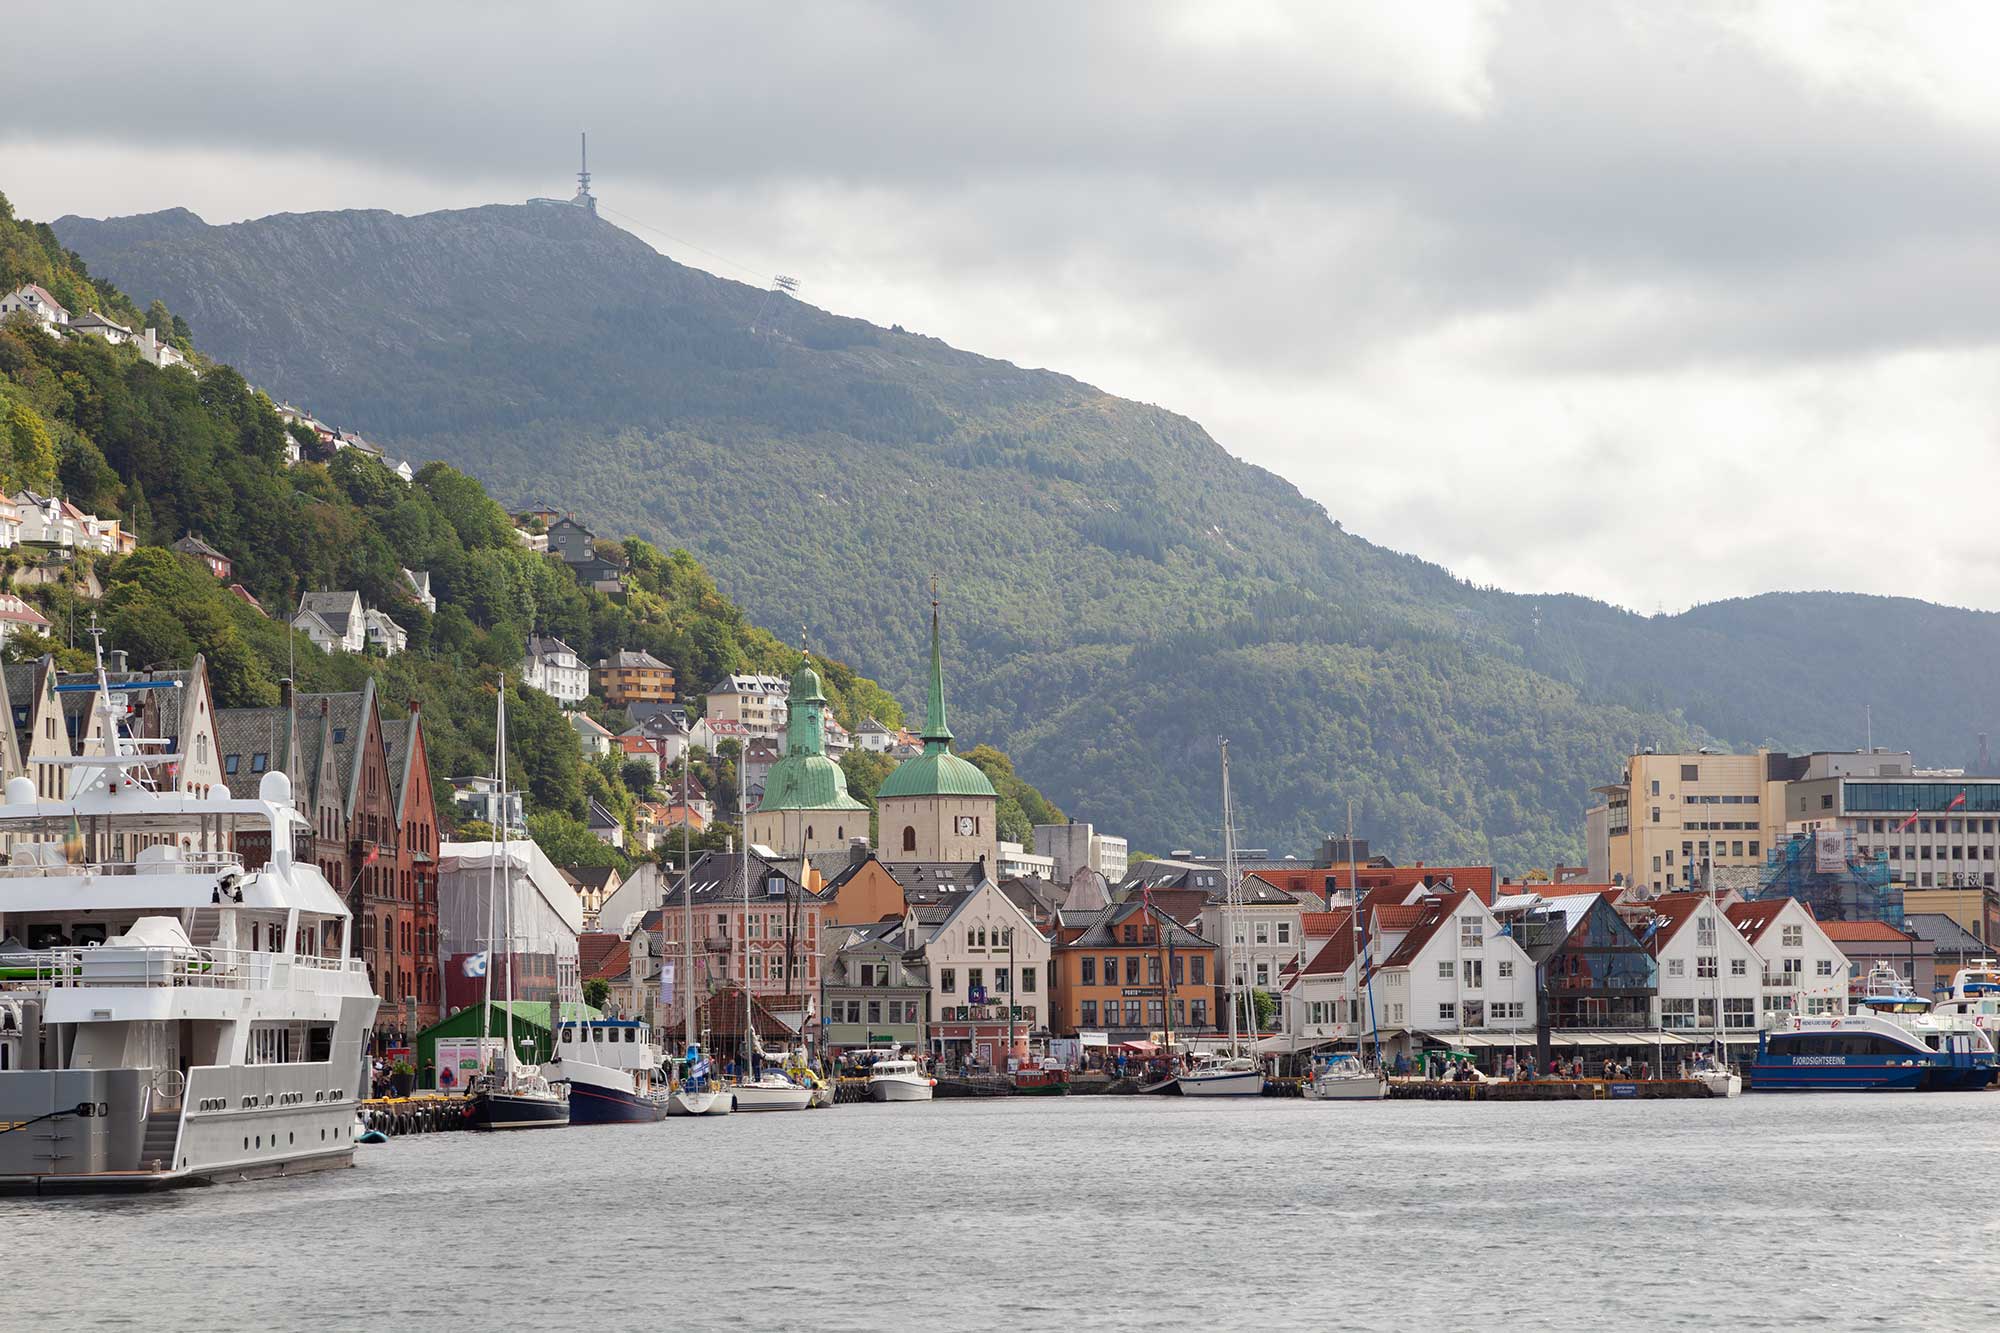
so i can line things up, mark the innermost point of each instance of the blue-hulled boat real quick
(612, 1068)
(1868, 1052)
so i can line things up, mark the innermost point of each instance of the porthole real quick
(260, 1140)
(291, 1138)
(246, 1145)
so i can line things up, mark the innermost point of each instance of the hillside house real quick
(553, 667)
(218, 563)
(332, 620)
(35, 301)
(99, 327)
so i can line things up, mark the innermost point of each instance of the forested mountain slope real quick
(1120, 590)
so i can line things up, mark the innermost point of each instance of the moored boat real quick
(1041, 1081)
(610, 1067)
(1864, 1052)
(695, 1090)
(1717, 1077)
(1343, 1078)
(772, 1091)
(899, 1080)
(1222, 1076)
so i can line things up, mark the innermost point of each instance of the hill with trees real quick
(171, 451)
(1120, 590)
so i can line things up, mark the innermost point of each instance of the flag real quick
(667, 982)
(475, 965)
(73, 842)
(1905, 826)
(374, 851)
(1957, 800)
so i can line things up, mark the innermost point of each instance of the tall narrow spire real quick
(937, 734)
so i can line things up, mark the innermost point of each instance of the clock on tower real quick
(965, 826)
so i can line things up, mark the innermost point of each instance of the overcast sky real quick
(1661, 303)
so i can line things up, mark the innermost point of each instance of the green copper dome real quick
(805, 779)
(937, 771)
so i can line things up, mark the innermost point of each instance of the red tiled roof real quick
(1865, 932)
(592, 946)
(1753, 919)
(1337, 954)
(1312, 879)
(1614, 891)
(1395, 916)
(1674, 910)
(1319, 925)
(1436, 912)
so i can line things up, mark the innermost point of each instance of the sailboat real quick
(510, 1094)
(1342, 1077)
(1234, 1074)
(695, 1091)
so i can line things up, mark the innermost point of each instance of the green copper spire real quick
(937, 734)
(806, 778)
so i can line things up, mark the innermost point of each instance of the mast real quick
(507, 909)
(1231, 899)
(686, 988)
(743, 852)
(1353, 934)
(492, 892)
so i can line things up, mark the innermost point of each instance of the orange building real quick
(1122, 972)
(627, 677)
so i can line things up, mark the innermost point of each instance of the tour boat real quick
(1345, 1079)
(1975, 998)
(611, 1067)
(168, 1016)
(772, 1091)
(1945, 1027)
(899, 1080)
(1866, 1052)
(508, 1094)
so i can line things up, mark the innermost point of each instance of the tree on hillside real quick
(567, 842)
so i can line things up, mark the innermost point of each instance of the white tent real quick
(547, 912)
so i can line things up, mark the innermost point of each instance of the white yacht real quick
(168, 1016)
(1220, 1075)
(1345, 1079)
(1715, 1075)
(898, 1079)
(695, 1090)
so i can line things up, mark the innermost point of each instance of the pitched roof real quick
(1395, 916)
(590, 877)
(1337, 954)
(1107, 927)
(194, 545)
(245, 733)
(1943, 934)
(348, 716)
(717, 877)
(41, 294)
(628, 658)
(334, 608)
(592, 948)
(1369, 876)
(1865, 932)
(1672, 910)
(927, 881)
(1754, 918)
(1319, 925)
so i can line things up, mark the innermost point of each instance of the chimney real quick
(857, 850)
(285, 692)
(117, 659)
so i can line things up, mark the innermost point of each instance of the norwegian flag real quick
(374, 854)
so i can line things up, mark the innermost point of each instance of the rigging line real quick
(679, 240)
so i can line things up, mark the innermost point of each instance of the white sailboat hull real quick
(1359, 1088)
(1722, 1084)
(1224, 1083)
(899, 1090)
(683, 1102)
(750, 1097)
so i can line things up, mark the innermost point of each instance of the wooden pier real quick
(1548, 1090)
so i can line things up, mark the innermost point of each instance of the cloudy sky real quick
(1660, 303)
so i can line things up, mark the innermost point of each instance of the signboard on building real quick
(1830, 850)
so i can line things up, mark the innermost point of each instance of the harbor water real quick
(1841, 1211)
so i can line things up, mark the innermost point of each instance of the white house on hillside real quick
(97, 325)
(552, 666)
(35, 301)
(384, 634)
(333, 620)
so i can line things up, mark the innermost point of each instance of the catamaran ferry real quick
(168, 1016)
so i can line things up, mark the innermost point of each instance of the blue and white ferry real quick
(1872, 1051)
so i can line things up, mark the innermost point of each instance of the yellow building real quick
(633, 677)
(1675, 816)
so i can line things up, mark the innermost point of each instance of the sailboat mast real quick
(686, 988)
(492, 881)
(743, 851)
(1353, 934)
(1230, 897)
(507, 861)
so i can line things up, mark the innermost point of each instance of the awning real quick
(1142, 1047)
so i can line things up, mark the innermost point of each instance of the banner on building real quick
(1830, 850)
(667, 982)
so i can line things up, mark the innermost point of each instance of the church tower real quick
(806, 807)
(937, 806)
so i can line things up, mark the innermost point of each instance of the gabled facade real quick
(1131, 970)
(552, 666)
(36, 301)
(876, 993)
(1267, 932)
(768, 941)
(1710, 978)
(977, 983)
(1804, 972)
(415, 868)
(1444, 966)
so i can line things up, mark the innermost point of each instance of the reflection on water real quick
(1087, 1212)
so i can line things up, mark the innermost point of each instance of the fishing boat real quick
(1044, 1080)
(898, 1079)
(509, 1093)
(611, 1068)
(1232, 1072)
(168, 1016)
(1343, 1078)
(772, 1091)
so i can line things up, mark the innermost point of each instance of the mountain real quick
(1119, 589)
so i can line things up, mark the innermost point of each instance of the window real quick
(1263, 974)
(948, 980)
(975, 981)
(1753, 848)
(1505, 969)
(1795, 937)
(259, 762)
(1155, 1011)
(1739, 1013)
(1739, 967)
(1676, 1013)
(1445, 970)
(1002, 980)
(1198, 1012)
(1509, 1011)
(1131, 935)
(1284, 932)
(1179, 968)
(1826, 801)
(1131, 1013)
(1087, 972)
(1471, 931)
(229, 762)
(909, 838)
(1676, 967)
(1263, 932)
(1028, 981)
(1656, 786)
(1447, 1012)
(1474, 971)
(1704, 932)
(1690, 772)
(874, 1012)
(1200, 972)
(1131, 969)
(1656, 814)
(1086, 1013)
(1704, 966)
(1152, 969)
(1825, 968)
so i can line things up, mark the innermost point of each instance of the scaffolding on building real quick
(1826, 872)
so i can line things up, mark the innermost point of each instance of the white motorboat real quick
(1345, 1079)
(168, 1016)
(695, 1090)
(899, 1080)
(772, 1091)
(1222, 1076)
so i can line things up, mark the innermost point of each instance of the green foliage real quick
(567, 842)
(597, 993)
(1021, 806)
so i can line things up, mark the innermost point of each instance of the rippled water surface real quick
(1766, 1212)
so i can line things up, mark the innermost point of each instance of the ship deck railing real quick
(122, 965)
(37, 865)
